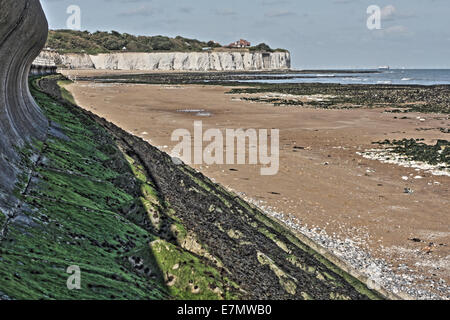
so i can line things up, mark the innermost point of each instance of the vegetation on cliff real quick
(70, 41)
(262, 47)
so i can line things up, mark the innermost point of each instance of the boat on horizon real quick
(384, 68)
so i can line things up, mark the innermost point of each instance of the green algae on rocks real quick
(417, 150)
(426, 99)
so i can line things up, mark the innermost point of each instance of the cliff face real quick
(23, 32)
(183, 61)
(193, 61)
(69, 60)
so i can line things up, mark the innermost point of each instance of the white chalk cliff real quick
(69, 60)
(183, 61)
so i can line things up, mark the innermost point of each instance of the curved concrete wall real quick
(37, 70)
(42, 67)
(23, 32)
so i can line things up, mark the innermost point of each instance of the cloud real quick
(344, 1)
(273, 2)
(388, 12)
(125, 1)
(225, 12)
(280, 13)
(397, 31)
(186, 9)
(143, 11)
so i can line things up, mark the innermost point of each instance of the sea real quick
(426, 77)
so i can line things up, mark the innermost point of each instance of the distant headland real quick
(116, 51)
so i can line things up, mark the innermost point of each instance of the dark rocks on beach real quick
(3, 296)
(417, 150)
(404, 99)
(401, 98)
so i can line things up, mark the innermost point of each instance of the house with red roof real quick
(240, 44)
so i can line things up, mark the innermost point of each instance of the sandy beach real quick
(324, 183)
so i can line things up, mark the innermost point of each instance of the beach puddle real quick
(197, 112)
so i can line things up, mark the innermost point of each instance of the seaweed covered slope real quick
(23, 32)
(140, 226)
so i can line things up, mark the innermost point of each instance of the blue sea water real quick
(396, 76)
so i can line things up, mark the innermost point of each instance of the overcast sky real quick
(319, 33)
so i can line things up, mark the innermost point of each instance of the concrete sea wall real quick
(23, 32)
(42, 67)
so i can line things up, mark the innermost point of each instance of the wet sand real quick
(322, 181)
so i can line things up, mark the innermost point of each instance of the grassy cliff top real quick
(70, 41)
